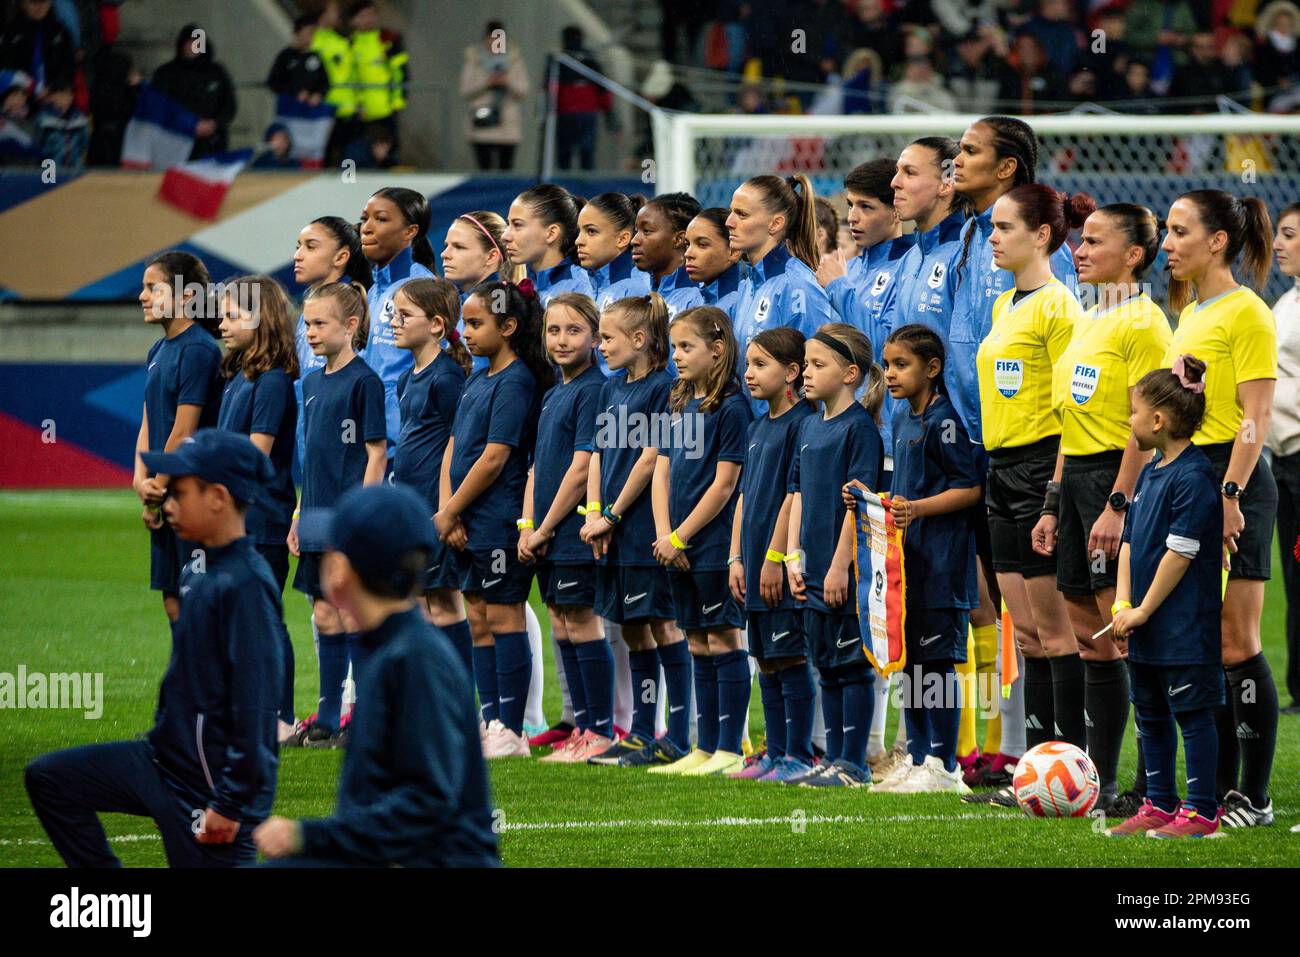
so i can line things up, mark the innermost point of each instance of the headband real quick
(832, 343)
(1180, 370)
(483, 229)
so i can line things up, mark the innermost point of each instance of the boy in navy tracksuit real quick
(206, 773)
(418, 799)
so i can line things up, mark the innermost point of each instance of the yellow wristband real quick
(1114, 609)
(774, 556)
(297, 512)
(590, 507)
(522, 523)
(675, 541)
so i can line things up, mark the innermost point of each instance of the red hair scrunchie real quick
(526, 288)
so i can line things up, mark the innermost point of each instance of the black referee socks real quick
(1039, 709)
(1253, 697)
(1105, 706)
(1067, 698)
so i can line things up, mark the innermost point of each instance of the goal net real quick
(1116, 158)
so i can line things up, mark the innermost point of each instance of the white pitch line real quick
(784, 819)
(41, 842)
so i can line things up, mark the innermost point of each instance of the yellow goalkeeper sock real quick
(966, 726)
(986, 666)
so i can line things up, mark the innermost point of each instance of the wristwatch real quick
(1231, 490)
(1118, 501)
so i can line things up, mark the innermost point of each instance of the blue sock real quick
(945, 715)
(800, 700)
(596, 661)
(577, 693)
(514, 671)
(769, 689)
(1201, 750)
(676, 662)
(458, 634)
(917, 723)
(286, 689)
(485, 678)
(333, 660)
(858, 692)
(357, 653)
(706, 702)
(833, 714)
(734, 683)
(644, 666)
(1160, 752)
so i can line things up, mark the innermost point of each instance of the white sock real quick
(622, 676)
(1012, 710)
(661, 706)
(876, 742)
(904, 687)
(533, 716)
(753, 670)
(819, 720)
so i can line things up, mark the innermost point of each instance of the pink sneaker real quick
(562, 752)
(1148, 818)
(591, 745)
(753, 770)
(1189, 823)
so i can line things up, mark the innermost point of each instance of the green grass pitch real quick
(74, 597)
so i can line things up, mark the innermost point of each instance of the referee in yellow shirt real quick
(1230, 328)
(1032, 325)
(1123, 336)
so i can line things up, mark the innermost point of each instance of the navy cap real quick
(218, 456)
(373, 525)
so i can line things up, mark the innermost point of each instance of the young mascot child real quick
(206, 773)
(838, 446)
(696, 485)
(1168, 602)
(418, 799)
(757, 577)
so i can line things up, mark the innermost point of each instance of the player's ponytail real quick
(520, 302)
(555, 205)
(345, 234)
(924, 343)
(438, 297)
(184, 273)
(1140, 228)
(1179, 393)
(414, 207)
(647, 314)
(1249, 230)
(858, 347)
(348, 299)
(794, 198)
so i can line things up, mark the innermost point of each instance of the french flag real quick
(199, 187)
(309, 127)
(160, 134)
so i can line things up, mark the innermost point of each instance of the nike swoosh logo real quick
(432, 568)
(804, 446)
(308, 402)
(488, 584)
(1179, 689)
(154, 363)
(504, 700)
(779, 635)
(849, 728)
(935, 744)
(1191, 781)
(710, 609)
(841, 643)
(603, 721)
(545, 407)
(753, 445)
(932, 638)
(676, 709)
(628, 599)
(608, 408)
(566, 584)
(723, 717)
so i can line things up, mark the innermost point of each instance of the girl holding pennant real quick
(936, 486)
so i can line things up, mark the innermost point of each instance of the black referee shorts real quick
(1086, 483)
(1254, 558)
(1014, 493)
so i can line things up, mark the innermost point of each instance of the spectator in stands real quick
(920, 83)
(1034, 86)
(112, 101)
(579, 102)
(17, 133)
(1161, 30)
(875, 30)
(381, 62)
(1239, 79)
(825, 24)
(1201, 78)
(680, 23)
(1055, 32)
(860, 86)
(341, 71)
(494, 83)
(1081, 86)
(1137, 95)
(196, 81)
(62, 131)
(1277, 63)
(1106, 53)
(976, 74)
(277, 144)
(752, 101)
(662, 89)
(960, 18)
(39, 45)
(298, 70)
(373, 149)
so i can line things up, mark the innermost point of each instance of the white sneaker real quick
(894, 780)
(504, 743)
(932, 778)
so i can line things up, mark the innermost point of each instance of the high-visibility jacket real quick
(381, 70)
(336, 53)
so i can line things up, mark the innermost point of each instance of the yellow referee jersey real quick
(1111, 349)
(1015, 363)
(1235, 336)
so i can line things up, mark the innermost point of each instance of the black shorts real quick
(778, 633)
(167, 554)
(703, 601)
(1014, 493)
(633, 593)
(1254, 559)
(834, 639)
(936, 634)
(443, 570)
(1086, 484)
(277, 556)
(307, 578)
(567, 586)
(495, 575)
(1175, 688)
